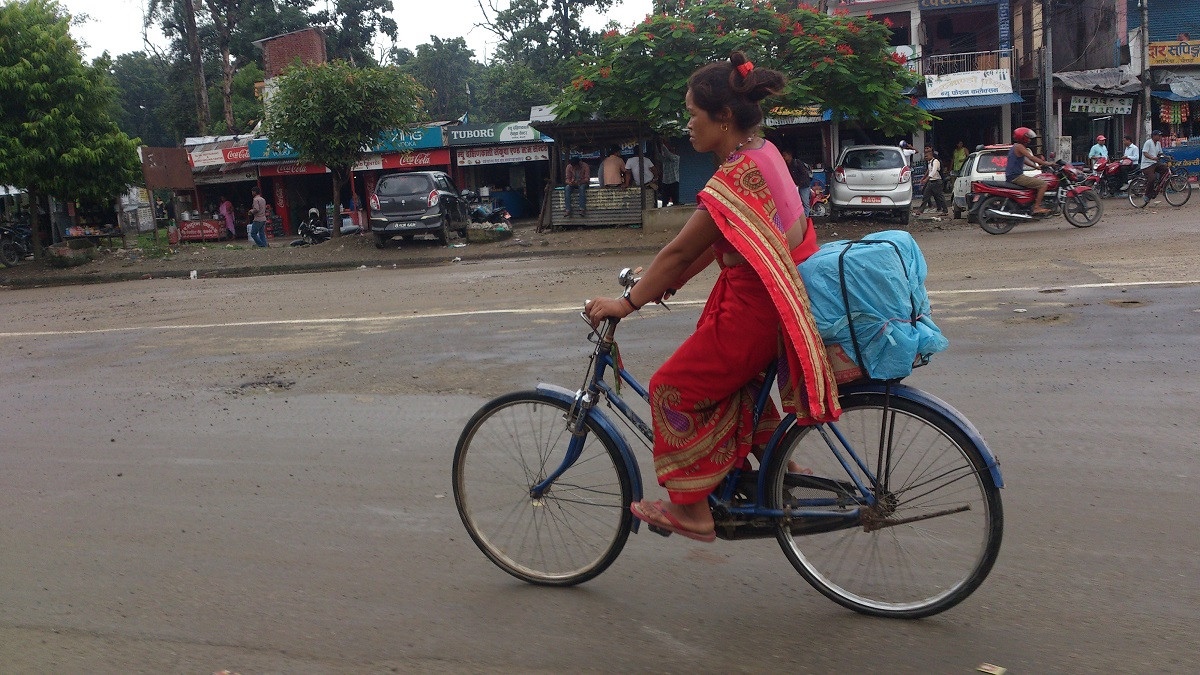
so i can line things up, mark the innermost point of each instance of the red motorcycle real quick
(1000, 205)
(1109, 176)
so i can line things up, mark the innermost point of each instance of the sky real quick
(116, 25)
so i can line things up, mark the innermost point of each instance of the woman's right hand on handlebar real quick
(599, 309)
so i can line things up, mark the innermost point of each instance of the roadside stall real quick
(508, 163)
(605, 206)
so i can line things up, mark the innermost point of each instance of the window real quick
(403, 184)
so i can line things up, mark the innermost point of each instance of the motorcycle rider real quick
(1099, 151)
(1018, 156)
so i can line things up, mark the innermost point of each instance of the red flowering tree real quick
(834, 61)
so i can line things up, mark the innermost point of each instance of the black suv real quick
(417, 202)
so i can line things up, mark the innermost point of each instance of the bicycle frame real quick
(861, 476)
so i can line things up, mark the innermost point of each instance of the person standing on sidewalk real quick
(932, 182)
(258, 219)
(227, 215)
(669, 189)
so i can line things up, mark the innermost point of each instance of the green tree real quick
(247, 106)
(143, 94)
(542, 32)
(57, 135)
(445, 68)
(178, 18)
(352, 25)
(840, 63)
(333, 112)
(508, 91)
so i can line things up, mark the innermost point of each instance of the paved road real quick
(253, 474)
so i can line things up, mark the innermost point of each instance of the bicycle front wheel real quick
(930, 537)
(1178, 190)
(568, 534)
(1137, 191)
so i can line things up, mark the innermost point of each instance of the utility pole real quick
(1146, 116)
(1049, 137)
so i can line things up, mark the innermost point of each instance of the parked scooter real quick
(1109, 176)
(16, 244)
(313, 230)
(480, 211)
(1001, 205)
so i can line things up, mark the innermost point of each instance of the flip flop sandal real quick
(675, 527)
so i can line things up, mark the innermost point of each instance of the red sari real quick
(702, 399)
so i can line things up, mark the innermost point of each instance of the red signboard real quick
(291, 169)
(416, 158)
(239, 154)
(281, 205)
(199, 230)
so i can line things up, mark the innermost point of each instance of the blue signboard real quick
(397, 140)
(420, 138)
(1004, 20)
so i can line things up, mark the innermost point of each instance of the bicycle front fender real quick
(606, 425)
(945, 409)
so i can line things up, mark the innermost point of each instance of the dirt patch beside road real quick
(242, 259)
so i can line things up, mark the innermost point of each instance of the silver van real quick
(871, 178)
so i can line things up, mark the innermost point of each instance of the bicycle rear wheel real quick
(934, 532)
(1178, 190)
(576, 528)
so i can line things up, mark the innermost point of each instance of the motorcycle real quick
(16, 244)
(480, 211)
(818, 203)
(313, 230)
(1001, 205)
(1109, 176)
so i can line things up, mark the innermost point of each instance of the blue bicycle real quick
(897, 512)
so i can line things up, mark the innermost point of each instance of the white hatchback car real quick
(987, 163)
(871, 178)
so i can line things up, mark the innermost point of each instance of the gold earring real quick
(725, 127)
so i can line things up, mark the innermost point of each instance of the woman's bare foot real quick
(691, 520)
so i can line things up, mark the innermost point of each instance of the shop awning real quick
(1110, 81)
(1172, 96)
(959, 102)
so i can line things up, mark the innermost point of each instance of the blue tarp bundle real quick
(884, 284)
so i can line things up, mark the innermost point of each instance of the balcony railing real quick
(946, 64)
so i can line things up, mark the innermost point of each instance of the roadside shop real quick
(292, 187)
(508, 163)
(605, 206)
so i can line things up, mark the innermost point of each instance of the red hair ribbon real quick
(745, 68)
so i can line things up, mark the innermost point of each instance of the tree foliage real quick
(332, 113)
(351, 27)
(836, 62)
(143, 96)
(57, 134)
(445, 68)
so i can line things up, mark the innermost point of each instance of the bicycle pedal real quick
(658, 530)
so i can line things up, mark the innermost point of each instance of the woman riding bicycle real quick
(750, 221)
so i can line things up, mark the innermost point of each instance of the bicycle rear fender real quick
(929, 400)
(603, 421)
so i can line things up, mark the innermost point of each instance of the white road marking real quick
(517, 311)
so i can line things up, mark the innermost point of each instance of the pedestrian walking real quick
(258, 219)
(933, 183)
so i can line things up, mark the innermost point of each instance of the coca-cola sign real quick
(240, 153)
(406, 160)
(292, 169)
